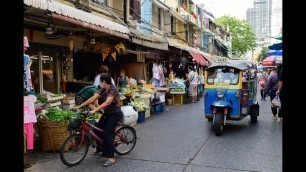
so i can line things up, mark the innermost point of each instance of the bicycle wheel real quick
(74, 150)
(125, 140)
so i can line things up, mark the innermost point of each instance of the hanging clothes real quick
(29, 131)
(27, 72)
(161, 74)
(156, 75)
(29, 119)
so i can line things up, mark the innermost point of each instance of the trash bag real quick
(276, 102)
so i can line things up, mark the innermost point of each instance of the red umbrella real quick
(273, 61)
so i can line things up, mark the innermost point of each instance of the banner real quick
(114, 55)
(103, 56)
(107, 50)
(117, 47)
(98, 47)
(121, 46)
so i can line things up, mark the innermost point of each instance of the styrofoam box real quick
(130, 116)
(68, 102)
(148, 113)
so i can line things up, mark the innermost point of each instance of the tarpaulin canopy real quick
(272, 61)
(199, 58)
(278, 46)
(275, 53)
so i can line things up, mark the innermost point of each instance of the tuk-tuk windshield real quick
(222, 75)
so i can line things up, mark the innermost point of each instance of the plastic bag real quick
(276, 102)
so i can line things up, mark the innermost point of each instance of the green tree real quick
(243, 36)
(262, 54)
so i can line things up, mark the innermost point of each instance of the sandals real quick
(108, 163)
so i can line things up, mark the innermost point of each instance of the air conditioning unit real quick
(167, 34)
(187, 17)
(84, 5)
(133, 23)
(181, 10)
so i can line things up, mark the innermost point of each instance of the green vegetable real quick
(57, 115)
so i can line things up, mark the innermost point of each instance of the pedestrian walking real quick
(272, 87)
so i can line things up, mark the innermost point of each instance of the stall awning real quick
(152, 41)
(277, 46)
(275, 53)
(272, 61)
(176, 44)
(199, 58)
(79, 17)
(208, 57)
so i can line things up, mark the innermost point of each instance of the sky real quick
(218, 8)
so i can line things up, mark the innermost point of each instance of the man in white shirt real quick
(103, 69)
(193, 80)
(201, 78)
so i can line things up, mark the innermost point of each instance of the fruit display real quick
(140, 106)
(177, 89)
(177, 83)
(122, 97)
(127, 92)
(147, 90)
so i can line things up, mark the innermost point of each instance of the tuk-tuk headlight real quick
(237, 94)
(220, 94)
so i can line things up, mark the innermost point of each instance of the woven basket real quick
(52, 134)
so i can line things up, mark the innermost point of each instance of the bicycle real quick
(78, 140)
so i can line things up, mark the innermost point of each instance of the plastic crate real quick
(177, 99)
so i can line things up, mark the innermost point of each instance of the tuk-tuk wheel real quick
(254, 114)
(218, 124)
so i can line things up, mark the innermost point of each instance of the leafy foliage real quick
(243, 36)
(262, 54)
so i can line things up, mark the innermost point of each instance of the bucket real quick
(169, 101)
(141, 116)
(158, 108)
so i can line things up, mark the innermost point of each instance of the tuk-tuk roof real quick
(238, 64)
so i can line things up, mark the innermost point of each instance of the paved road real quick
(181, 139)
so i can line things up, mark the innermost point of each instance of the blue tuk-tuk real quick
(230, 92)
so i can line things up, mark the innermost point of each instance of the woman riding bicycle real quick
(109, 103)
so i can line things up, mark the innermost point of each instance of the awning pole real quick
(40, 74)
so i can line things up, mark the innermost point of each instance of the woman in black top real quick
(109, 103)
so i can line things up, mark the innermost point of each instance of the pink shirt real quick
(29, 109)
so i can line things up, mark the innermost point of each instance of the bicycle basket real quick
(74, 123)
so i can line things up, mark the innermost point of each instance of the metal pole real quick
(58, 72)
(40, 74)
